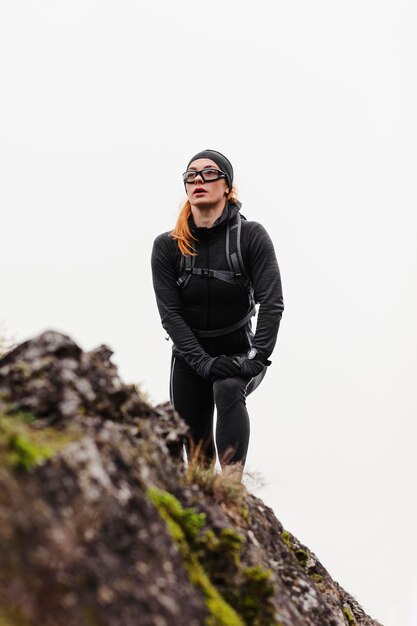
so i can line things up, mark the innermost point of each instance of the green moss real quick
(189, 520)
(234, 594)
(25, 453)
(257, 591)
(245, 513)
(22, 446)
(220, 554)
(317, 578)
(258, 576)
(302, 557)
(349, 616)
(231, 543)
(183, 524)
(232, 538)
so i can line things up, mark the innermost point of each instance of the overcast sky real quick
(315, 103)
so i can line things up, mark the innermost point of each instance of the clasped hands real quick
(229, 366)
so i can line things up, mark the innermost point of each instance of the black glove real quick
(224, 367)
(251, 368)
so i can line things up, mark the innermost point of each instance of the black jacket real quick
(208, 303)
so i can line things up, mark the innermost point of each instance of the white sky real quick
(102, 103)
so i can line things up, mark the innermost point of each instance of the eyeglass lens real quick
(207, 174)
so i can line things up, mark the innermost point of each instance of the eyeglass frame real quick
(196, 172)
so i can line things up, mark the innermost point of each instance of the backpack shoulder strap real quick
(234, 252)
(186, 269)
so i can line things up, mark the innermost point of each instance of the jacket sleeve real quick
(266, 281)
(171, 309)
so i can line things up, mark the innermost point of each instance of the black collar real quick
(228, 212)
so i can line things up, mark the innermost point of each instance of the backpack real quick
(236, 275)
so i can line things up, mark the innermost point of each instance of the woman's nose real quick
(198, 175)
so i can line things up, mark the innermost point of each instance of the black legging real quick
(194, 399)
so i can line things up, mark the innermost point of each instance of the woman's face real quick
(202, 193)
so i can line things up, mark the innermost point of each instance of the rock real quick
(102, 524)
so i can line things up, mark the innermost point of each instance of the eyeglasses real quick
(209, 174)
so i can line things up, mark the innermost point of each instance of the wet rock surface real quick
(102, 524)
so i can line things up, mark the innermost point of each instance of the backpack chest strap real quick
(224, 275)
(236, 274)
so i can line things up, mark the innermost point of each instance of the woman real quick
(207, 275)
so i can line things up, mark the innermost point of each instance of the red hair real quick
(182, 232)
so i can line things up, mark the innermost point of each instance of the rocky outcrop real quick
(102, 524)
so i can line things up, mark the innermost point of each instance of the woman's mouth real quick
(199, 190)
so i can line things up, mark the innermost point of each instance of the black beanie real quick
(219, 159)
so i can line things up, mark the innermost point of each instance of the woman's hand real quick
(224, 367)
(251, 368)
